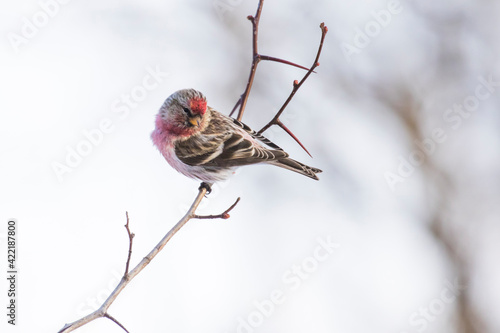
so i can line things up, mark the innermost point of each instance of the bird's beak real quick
(195, 121)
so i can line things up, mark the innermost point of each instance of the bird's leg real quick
(206, 186)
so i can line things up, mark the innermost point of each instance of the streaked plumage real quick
(204, 144)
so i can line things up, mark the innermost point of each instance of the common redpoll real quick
(201, 143)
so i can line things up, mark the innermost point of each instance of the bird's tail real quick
(293, 165)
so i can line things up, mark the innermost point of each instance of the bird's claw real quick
(206, 186)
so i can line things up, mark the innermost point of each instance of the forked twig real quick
(296, 86)
(256, 58)
(102, 311)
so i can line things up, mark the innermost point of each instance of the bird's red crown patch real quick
(198, 105)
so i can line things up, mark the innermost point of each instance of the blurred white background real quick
(398, 116)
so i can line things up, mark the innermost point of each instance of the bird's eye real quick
(186, 110)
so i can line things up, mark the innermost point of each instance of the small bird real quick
(203, 144)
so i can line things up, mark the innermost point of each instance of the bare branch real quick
(256, 58)
(130, 238)
(296, 87)
(225, 215)
(102, 311)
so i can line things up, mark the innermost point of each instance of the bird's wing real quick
(222, 144)
(256, 135)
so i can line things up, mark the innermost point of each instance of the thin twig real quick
(130, 238)
(286, 62)
(256, 58)
(296, 86)
(236, 105)
(107, 315)
(287, 130)
(225, 215)
(102, 311)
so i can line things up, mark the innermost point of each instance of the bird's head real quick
(184, 112)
